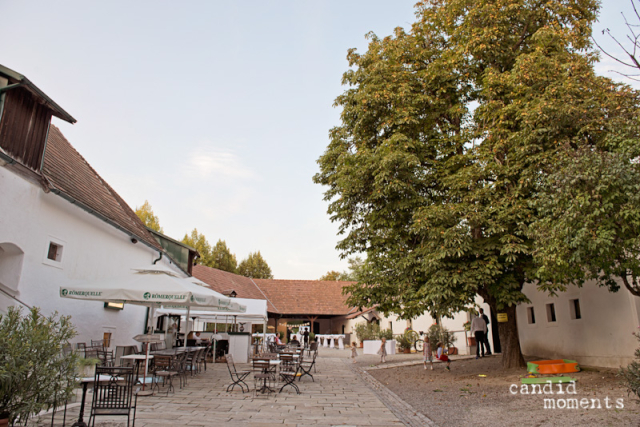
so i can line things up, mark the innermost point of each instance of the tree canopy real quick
(451, 134)
(255, 266)
(145, 213)
(199, 242)
(222, 258)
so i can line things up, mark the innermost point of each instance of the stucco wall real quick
(602, 337)
(92, 249)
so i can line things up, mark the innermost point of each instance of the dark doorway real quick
(316, 328)
(494, 332)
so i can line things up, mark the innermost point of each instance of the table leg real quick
(80, 422)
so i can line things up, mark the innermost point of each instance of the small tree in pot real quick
(34, 372)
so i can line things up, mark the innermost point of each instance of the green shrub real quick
(403, 342)
(34, 373)
(367, 331)
(386, 333)
(631, 374)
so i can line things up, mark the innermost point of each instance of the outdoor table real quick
(341, 342)
(85, 383)
(139, 358)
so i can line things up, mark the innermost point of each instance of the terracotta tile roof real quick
(224, 282)
(68, 172)
(312, 297)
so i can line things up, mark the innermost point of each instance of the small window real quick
(114, 305)
(391, 326)
(551, 312)
(531, 315)
(574, 308)
(55, 252)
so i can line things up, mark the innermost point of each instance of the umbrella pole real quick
(146, 366)
(187, 328)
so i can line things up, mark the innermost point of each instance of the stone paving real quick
(343, 394)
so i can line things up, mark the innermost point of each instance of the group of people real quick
(480, 330)
(427, 354)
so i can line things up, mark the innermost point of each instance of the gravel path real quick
(481, 393)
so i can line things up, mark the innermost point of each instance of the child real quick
(442, 357)
(354, 352)
(427, 355)
(383, 351)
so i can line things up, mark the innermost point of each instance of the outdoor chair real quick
(264, 377)
(312, 347)
(289, 371)
(106, 357)
(97, 343)
(306, 365)
(164, 368)
(236, 376)
(113, 397)
(180, 365)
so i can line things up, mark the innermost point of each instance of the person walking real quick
(427, 355)
(486, 334)
(383, 351)
(479, 329)
(354, 352)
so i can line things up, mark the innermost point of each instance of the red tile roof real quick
(309, 297)
(68, 172)
(225, 282)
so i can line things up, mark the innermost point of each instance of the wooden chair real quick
(115, 396)
(236, 376)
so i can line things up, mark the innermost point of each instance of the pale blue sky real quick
(216, 112)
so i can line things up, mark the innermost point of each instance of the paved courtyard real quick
(342, 395)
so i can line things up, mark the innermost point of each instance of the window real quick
(114, 305)
(391, 326)
(55, 252)
(574, 308)
(551, 312)
(531, 315)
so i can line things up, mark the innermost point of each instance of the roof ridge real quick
(262, 292)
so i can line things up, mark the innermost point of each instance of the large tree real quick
(448, 132)
(255, 266)
(145, 213)
(199, 242)
(222, 258)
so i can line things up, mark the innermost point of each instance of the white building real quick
(587, 324)
(60, 222)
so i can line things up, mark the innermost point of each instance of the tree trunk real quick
(510, 341)
(508, 332)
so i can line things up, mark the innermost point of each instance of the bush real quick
(631, 374)
(438, 334)
(34, 373)
(385, 333)
(403, 342)
(367, 331)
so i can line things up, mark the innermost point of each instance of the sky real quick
(214, 111)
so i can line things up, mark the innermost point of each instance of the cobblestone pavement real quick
(343, 394)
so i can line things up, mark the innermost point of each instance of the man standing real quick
(479, 329)
(486, 334)
(305, 334)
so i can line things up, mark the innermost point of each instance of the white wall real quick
(92, 249)
(602, 337)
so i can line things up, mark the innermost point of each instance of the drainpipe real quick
(159, 258)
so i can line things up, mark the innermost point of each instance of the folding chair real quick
(289, 370)
(305, 367)
(236, 376)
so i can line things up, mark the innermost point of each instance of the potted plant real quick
(438, 333)
(34, 372)
(361, 332)
(87, 367)
(404, 344)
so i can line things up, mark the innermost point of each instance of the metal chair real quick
(305, 367)
(236, 376)
(289, 371)
(115, 396)
(165, 369)
(264, 377)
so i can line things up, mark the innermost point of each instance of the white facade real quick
(601, 336)
(30, 220)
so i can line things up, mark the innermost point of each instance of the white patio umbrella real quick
(152, 286)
